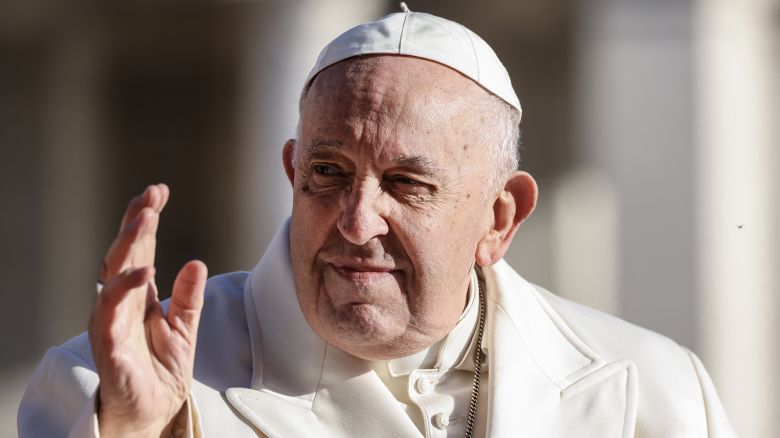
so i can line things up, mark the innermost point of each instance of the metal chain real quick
(477, 366)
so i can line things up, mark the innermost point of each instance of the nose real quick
(361, 217)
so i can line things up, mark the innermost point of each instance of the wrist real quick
(117, 427)
(112, 424)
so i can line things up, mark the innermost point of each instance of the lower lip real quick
(362, 276)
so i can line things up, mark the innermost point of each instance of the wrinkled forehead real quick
(398, 88)
(378, 66)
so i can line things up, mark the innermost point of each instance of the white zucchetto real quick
(423, 36)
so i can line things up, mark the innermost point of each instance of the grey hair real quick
(502, 130)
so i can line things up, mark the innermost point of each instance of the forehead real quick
(386, 100)
(356, 78)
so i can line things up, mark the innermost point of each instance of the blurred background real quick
(652, 127)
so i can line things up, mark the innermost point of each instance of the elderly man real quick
(383, 306)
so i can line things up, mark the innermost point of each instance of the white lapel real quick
(544, 381)
(300, 384)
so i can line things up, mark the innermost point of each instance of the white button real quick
(423, 385)
(441, 421)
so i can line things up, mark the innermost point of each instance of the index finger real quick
(155, 196)
(139, 223)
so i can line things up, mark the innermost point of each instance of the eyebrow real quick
(323, 145)
(416, 163)
(419, 164)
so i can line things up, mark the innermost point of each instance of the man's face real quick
(390, 202)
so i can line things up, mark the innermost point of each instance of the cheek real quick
(441, 238)
(442, 249)
(308, 231)
(312, 220)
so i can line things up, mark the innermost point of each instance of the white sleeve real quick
(86, 425)
(60, 401)
(58, 393)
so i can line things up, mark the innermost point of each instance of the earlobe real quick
(512, 206)
(288, 155)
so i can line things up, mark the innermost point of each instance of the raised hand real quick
(143, 357)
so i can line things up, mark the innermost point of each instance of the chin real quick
(363, 328)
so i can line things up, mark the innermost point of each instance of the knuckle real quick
(146, 214)
(128, 232)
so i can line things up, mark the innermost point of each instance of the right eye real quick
(327, 175)
(325, 170)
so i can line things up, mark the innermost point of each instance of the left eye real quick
(407, 181)
(404, 185)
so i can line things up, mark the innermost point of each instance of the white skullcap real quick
(423, 36)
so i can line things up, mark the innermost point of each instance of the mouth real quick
(362, 274)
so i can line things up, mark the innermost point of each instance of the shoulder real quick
(614, 338)
(673, 385)
(608, 336)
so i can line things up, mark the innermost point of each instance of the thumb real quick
(187, 298)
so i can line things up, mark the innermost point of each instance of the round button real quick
(441, 421)
(423, 385)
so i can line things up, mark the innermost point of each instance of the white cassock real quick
(554, 369)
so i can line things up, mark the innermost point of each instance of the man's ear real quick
(288, 152)
(512, 206)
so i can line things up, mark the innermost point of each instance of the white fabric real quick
(556, 369)
(423, 36)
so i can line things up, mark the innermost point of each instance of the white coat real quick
(556, 369)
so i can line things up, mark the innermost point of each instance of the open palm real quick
(144, 357)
